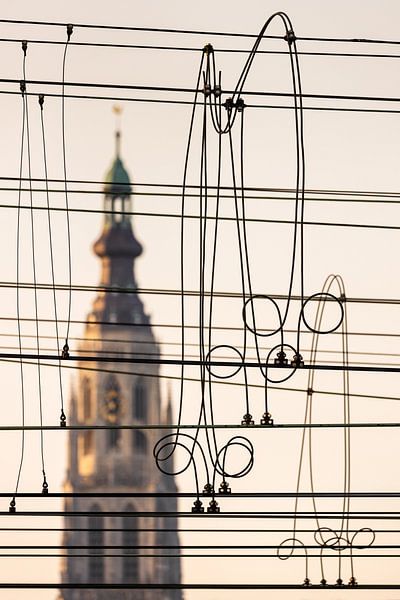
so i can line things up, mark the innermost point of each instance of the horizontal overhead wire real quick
(352, 40)
(121, 45)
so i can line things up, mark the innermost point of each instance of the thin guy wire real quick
(36, 310)
(53, 285)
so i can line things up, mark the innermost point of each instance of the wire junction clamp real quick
(229, 104)
(63, 419)
(297, 360)
(65, 351)
(266, 419)
(45, 486)
(290, 37)
(197, 506)
(213, 507)
(208, 489)
(247, 420)
(281, 359)
(224, 487)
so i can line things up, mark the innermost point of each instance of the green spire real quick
(117, 181)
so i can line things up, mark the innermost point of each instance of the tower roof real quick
(117, 247)
(117, 180)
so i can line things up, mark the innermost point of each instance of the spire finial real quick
(117, 110)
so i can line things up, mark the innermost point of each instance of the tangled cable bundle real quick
(224, 115)
(343, 539)
(279, 350)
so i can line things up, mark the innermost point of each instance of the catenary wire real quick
(121, 45)
(189, 103)
(356, 40)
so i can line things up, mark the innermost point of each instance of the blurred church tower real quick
(112, 460)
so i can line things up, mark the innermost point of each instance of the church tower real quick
(106, 461)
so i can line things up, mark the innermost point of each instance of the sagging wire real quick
(218, 457)
(26, 133)
(53, 284)
(65, 350)
(36, 309)
(235, 106)
(326, 537)
(12, 507)
(164, 458)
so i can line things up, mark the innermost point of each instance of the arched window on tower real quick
(96, 541)
(87, 398)
(118, 209)
(130, 541)
(87, 442)
(111, 410)
(139, 442)
(139, 400)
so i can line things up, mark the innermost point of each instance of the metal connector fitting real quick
(247, 420)
(267, 419)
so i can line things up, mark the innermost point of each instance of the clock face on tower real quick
(111, 405)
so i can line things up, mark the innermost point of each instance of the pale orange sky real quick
(345, 151)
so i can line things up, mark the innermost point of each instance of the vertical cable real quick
(12, 507)
(65, 351)
(62, 414)
(36, 309)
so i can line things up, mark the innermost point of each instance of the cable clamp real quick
(24, 45)
(197, 506)
(247, 420)
(310, 391)
(342, 297)
(213, 507)
(12, 508)
(290, 37)
(70, 29)
(339, 582)
(353, 581)
(240, 105)
(45, 485)
(306, 582)
(281, 358)
(267, 419)
(207, 90)
(208, 49)
(41, 100)
(297, 360)
(217, 91)
(323, 582)
(224, 487)
(208, 489)
(229, 104)
(63, 419)
(22, 86)
(65, 350)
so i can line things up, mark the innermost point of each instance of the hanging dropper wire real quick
(35, 293)
(65, 350)
(41, 104)
(12, 507)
